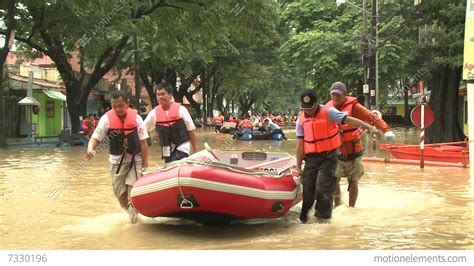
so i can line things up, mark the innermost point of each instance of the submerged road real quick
(399, 207)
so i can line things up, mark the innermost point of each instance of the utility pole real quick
(373, 61)
(137, 70)
(376, 23)
(365, 51)
(369, 52)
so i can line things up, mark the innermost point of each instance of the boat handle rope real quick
(185, 204)
(167, 167)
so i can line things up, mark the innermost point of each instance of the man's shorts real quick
(352, 169)
(127, 176)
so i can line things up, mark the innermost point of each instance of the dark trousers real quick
(319, 183)
(176, 155)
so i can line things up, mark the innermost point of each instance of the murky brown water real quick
(399, 207)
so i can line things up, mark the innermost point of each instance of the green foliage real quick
(265, 52)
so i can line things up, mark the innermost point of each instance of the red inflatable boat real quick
(438, 152)
(215, 186)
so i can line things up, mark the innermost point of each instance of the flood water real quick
(399, 207)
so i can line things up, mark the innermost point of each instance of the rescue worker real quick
(232, 118)
(255, 120)
(127, 138)
(272, 128)
(317, 142)
(174, 125)
(246, 125)
(279, 120)
(270, 115)
(89, 124)
(350, 152)
(218, 122)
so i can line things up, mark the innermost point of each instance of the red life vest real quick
(123, 134)
(171, 128)
(167, 120)
(218, 120)
(246, 123)
(232, 119)
(348, 132)
(88, 126)
(320, 134)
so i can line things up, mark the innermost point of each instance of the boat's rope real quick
(172, 165)
(185, 203)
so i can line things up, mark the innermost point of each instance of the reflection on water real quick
(399, 207)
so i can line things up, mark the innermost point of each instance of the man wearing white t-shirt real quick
(173, 124)
(126, 135)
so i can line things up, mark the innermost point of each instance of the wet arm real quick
(144, 152)
(364, 114)
(91, 148)
(192, 138)
(150, 121)
(299, 153)
(359, 123)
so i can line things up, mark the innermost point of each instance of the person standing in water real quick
(174, 125)
(218, 122)
(350, 152)
(317, 142)
(127, 137)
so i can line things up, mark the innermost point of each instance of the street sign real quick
(415, 116)
(365, 88)
(468, 64)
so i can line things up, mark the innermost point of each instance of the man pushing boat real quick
(350, 152)
(317, 142)
(128, 147)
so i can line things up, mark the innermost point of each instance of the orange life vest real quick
(349, 134)
(171, 127)
(123, 135)
(320, 134)
(246, 123)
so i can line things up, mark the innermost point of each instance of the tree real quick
(214, 50)
(444, 54)
(96, 32)
(8, 17)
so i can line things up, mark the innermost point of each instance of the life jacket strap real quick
(316, 140)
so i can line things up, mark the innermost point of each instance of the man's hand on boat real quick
(298, 170)
(144, 165)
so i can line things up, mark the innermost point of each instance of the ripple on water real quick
(399, 207)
